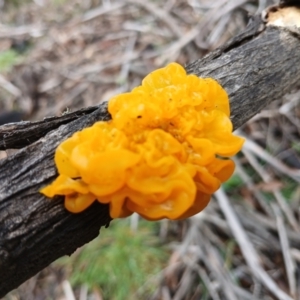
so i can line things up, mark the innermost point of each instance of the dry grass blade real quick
(212, 260)
(288, 260)
(69, 294)
(123, 77)
(251, 187)
(218, 14)
(210, 285)
(83, 292)
(287, 210)
(258, 151)
(184, 285)
(99, 11)
(9, 87)
(172, 51)
(249, 252)
(295, 254)
(31, 31)
(223, 275)
(268, 223)
(163, 15)
(267, 178)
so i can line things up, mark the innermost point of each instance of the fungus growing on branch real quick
(163, 154)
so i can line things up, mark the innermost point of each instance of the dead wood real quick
(256, 67)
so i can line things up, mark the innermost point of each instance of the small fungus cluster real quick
(162, 155)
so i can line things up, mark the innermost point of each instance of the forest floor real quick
(60, 55)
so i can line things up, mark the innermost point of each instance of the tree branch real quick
(256, 67)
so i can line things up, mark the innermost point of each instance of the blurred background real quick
(57, 56)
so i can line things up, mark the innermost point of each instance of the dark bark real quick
(289, 3)
(256, 67)
(19, 135)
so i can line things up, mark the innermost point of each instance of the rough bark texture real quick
(19, 135)
(256, 67)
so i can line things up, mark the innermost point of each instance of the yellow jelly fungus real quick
(163, 154)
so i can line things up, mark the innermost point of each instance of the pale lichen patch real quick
(284, 17)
